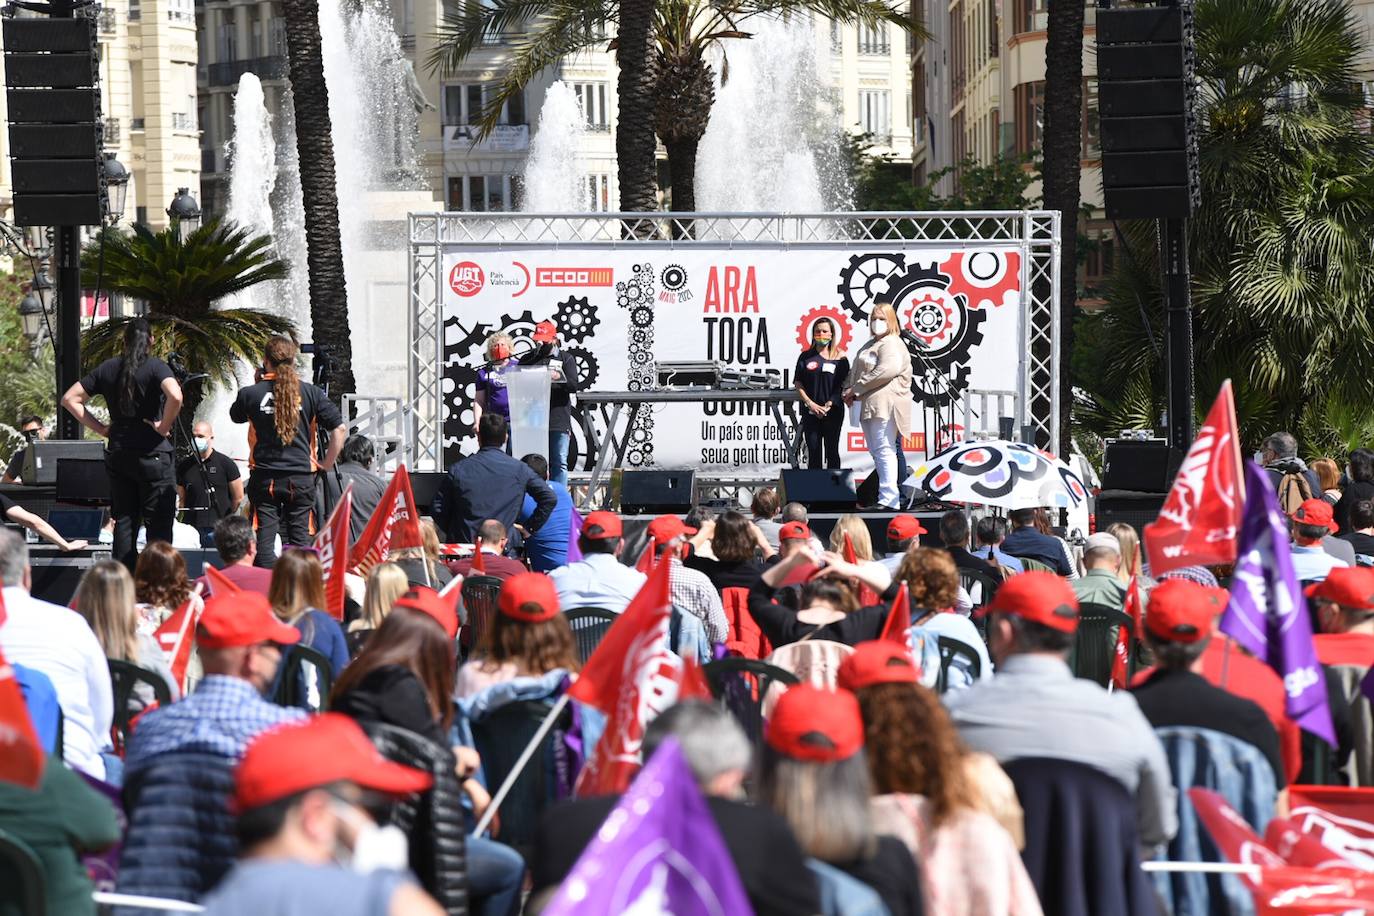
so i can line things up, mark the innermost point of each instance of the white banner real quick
(621, 311)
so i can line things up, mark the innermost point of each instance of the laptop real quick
(77, 524)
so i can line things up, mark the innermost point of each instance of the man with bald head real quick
(209, 487)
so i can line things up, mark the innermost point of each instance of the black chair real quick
(1094, 647)
(293, 687)
(22, 876)
(124, 680)
(589, 625)
(741, 684)
(480, 595)
(500, 737)
(950, 649)
(980, 586)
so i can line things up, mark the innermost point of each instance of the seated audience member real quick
(491, 540)
(385, 583)
(1311, 524)
(764, 509)
(1100, 583)
(423, 565)
(56, 642)
(926, 791)
(1361, 534)
(599, 579)
(1035, 707)
(309, 842)
(1025, 540)
(1345, 645)
(1177, 630)
(796, 512)
(903, 532)
(161, 585)
(238, 548)
(490, 484)
(529, 637)
(932, 582)
(954, 535)
(853, 526)
(547, 548)
(792, 536)
(297, 596)
(770, 863)
(692, 591)
(1132, 561)
(353, 467)
(105, 598)
(61, 820)
(991, 531)
(735, 543)
(828, 607)
(177, 775)
(814, 773)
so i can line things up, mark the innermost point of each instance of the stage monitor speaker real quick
(56, 574)
(820, 491)
(425, 484)
(40, 459)
(1143, 466)
(657, 492)
(1128, 506)
(84, 481)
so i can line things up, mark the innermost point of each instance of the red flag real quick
(479, 565)
(22, 758)
(394, 524)
(867, 596)
(632, 677)
(332, 543)
(645, 564)
(899, 618)
(177, 636)
(1234, 838)
(694, 684)
(1121, 660)
(1201, 516)
(219, 582)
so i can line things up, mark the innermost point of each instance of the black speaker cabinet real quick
(657, 492)
(83, 481)
(40, 462)
(820, 491)
(1129, 507)
(424, 484)
(56, 574)
(1143, 466)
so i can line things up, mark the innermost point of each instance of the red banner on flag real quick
(899, 618)
(1200, 521)
(394, 524)
(645, 563)
(220, 584)
(1121, 658)
(479, 565)
(332, 543)
(21, 756)
(867, 596)
(177, 636)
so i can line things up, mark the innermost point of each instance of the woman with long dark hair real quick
(143, 399)
(286, 416)
(821, 373)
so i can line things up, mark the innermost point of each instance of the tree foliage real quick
(27, 379)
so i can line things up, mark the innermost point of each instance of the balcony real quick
(227, 73)
(109, 133)
(408, 42)
(106, 20)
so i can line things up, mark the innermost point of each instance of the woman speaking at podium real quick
(882, 387)
(822, 371)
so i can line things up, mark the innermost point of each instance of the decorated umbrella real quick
(1011, 475)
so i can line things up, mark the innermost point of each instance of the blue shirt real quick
(221, 716)
(547, 548)
(597, 580)
(322, 633)
(1003, 559)
(1313, 564)
(282, 887)
(1027, 542)
(41, 699)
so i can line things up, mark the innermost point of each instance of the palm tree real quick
(635, 150)
(180, 282)
(684, 33)
(315, 152)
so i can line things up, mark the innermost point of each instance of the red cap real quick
(794, 531)
(1351, 587)
(1040, 597)
(242, 619)
(812, 723)
(426, 600)
(545, 332)
(529, 588)
(904, 527)
(878, 661)
(1316, 512)
(667, 527)
(599, 525)
(315, 752)
(1181, 610)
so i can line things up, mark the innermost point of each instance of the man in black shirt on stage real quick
(33, 431)
(197, 478)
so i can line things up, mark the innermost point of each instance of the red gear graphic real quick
(841, 322)
(979, 294)
(925, 303)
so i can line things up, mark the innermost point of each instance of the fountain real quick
(553, 178)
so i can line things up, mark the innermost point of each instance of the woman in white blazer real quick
(881, 383)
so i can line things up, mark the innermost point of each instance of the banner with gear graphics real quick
(619, 311)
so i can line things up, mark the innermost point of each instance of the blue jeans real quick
(558, 455)
(495, 876)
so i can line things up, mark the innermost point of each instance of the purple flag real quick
(1268, 613)
(659, 851)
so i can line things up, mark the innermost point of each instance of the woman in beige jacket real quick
(881, 383)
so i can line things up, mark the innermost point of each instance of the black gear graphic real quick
(621, 299)
(639, 337)
(459, 401)
(521, 329)
(857, 281)
(465, 346)
(639, 435)
(576, 319)
(641, 316)
(587, 367)
(634, 457)
(970, 330)
(935, 387)
(673, 277)
(640, 357)
(633, 384)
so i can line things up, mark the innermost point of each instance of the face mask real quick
(1259, 458)
(878, 326)
(202, 444)
(823, 337)
(374, 848)
(500, 353)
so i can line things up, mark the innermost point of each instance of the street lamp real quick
(116, 187)
(184, 212)
(31, 316)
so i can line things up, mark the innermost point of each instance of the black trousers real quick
(142, 493)
(822, 437)
(281, 505)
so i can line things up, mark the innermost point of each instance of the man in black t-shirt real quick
(33, 431)
(565, 383)
(1361, 534)
(195, 483)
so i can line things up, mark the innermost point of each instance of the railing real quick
(408, 42)
(182, 16)
(135, 13)
(109, 132)
(183, 121)
(227, 73)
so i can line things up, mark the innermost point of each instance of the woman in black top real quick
(828, 608)
(143, 399)
(822, 371)
(285, 415)
(736, 544)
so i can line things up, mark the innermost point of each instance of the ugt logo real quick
(466, 278)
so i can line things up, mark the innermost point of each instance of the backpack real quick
(1294, 489)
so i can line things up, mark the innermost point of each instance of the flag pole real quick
(519, 767)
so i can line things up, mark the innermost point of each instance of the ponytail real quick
(137, 334)
(286, 386)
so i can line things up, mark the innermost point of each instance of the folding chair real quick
(124, 680)
(741, 684)
(480, 595)
(1094, 648)
(589, 625)
(21, 874)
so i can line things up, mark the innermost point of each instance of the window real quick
(875, 114)
(836, 36)
(994, 44)
(258, 49)
(1030, 15)
(277, 29)
(464, 104)
(480, 193)
(135, 13)
(592, 98)
(958, 65)
(1030, 117)
(598, 191)
(1092, 137)
(873, 39)
(227, 41)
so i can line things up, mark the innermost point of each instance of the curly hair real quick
(280, 357)
(160, 576)
(932, 579)
(913, 747)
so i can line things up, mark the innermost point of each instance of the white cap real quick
(1104, 541)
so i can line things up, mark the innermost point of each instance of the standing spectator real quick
(56, 642)
(491, 397)
(491, 541)
(198, 476)
(1101, 583)
(881, 384)
(1328, 478)
(734, 545)
(564, 383)
(529, 637)
(692, 592)
(1359, 486)
(33, 430)
(285, 416)
(354, 467)
(1026, 541)
(547, 548)
(1310, 525)
(1292, 479)
(764, 510)
(297, 597)
(599, 579)
(1361, 534)
(105, 598)
(991, 532)
(301, 805)
(385, 583)
(238, 548)
(161, 585)
(490, 484)
(903, 533)
(954, 534)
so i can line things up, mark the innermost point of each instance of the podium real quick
(528, 389)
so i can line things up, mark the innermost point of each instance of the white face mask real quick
(202, 443)
(374, 848)
(878, 326)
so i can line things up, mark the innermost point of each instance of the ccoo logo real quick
(466, 278)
